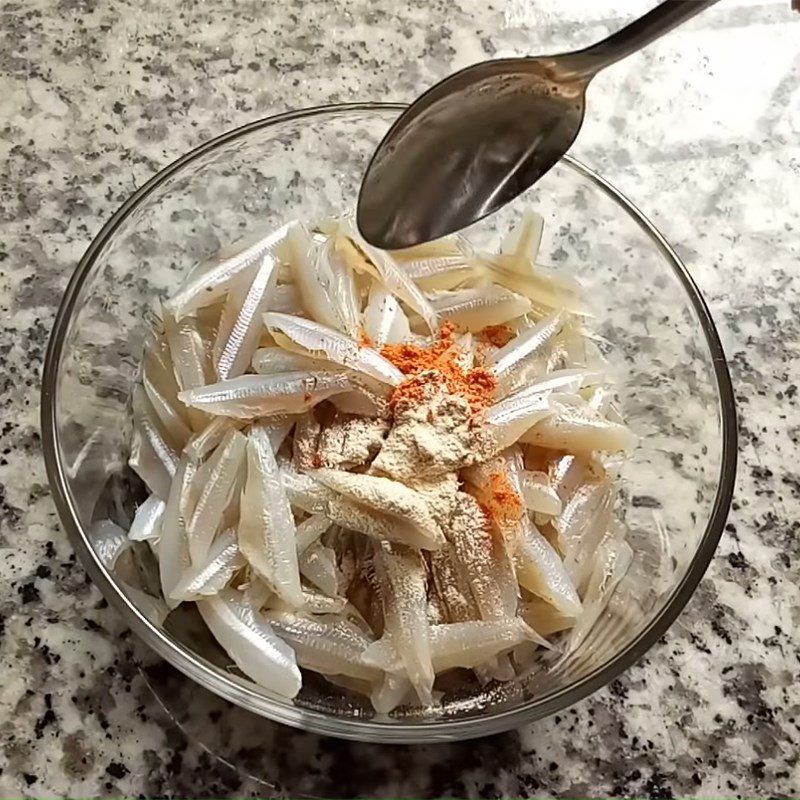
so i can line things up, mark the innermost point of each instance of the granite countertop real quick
(97, 95)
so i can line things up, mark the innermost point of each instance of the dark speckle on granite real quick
(98, 95)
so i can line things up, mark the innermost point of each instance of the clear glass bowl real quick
(674, 389)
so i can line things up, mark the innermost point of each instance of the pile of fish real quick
(264, 430)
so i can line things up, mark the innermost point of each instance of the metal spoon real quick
(473, 142)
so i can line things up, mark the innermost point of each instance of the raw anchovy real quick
(251, 642)
(403, 594)
(326, 284)
(252, 396)
(478, 308)
(201, 444)
(317, 565)
(382, 266)
(538, 494)
(266, 526)
(109, 542)
(332, 648)
(207, 283)
(267, 360)
(524, 240)
(211, 577)
(243, 336)
(540, 571)
(385, 496)
(215, 494)
(579, 431)
(153, 457)
(384, 319)
(174, 560)
(147, 520)
(319, 341)
(512, 363)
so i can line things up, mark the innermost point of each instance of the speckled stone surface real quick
(96, 96)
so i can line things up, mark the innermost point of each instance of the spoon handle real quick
(662, 19)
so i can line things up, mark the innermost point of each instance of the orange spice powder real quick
(477, 385)
(504, 503)
(498, 335)
(364, 339)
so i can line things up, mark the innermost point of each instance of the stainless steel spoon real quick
(473, 142)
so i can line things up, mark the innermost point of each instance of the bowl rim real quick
(236, 690)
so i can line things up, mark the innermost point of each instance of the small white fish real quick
(268, 360)
(174, 560)
(320, 341)
(151, 608)
(159, 372)
(388, 497)
(460, 644)
(544, 617)
(440, 273)
(211, 577)
(277, 430)
(582, 525)
(166, 409)
(326, 284)
(436, 248)
(215, 494)
(228, 315)
(252, 396)
(316, 602)
(311, 496)
(207, 283)
(611, 562)
(401, 576)
(381, 265)
(332, 648)
(452, 585)
(384, 320)
(286, 299)
(477, 308)
(540, 571)
(147, 520)
(391, 692)
(561, 381)
(109, 542)
(524, 240)
(266, 525)
(537, 493)
(243, 337)
(309, 531)
(524, 354)
(201, 444)
(544, 287)
(578, 430)
(486, 567)
(317, 565)
(153, 456)
(187, 349)
(256, 592)
(470, 644)
(510, 418)
(250, 641)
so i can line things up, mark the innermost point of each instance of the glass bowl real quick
(674, 391)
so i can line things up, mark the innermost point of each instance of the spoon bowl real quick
(489, 132)
(482, 136)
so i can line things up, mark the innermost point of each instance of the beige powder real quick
(431, 438)
(349, 441)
